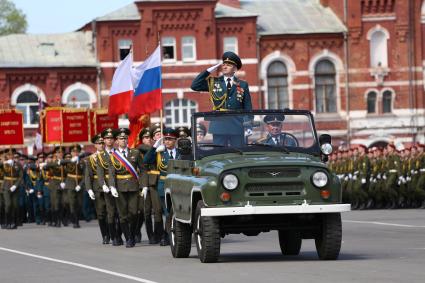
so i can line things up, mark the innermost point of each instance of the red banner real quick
(52, 125)
(99, 120)
(75, 126)
(11, 128)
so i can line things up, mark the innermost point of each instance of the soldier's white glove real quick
(248, 132)
(9, 161)
(363, 181)
(416, 171)
(114, 192)
(145, 192)
(408, 179)
(379, 176)
(354, 177)
(59, 162)
(213, 68)
(412, 171)
(350, 176)
(62, 185)
(31, 191)
(105, 189)
(384, 177)
(158, 143)
(346, 178)
(77, 188)
(160, 148)
(42, 165)
(12, 188)
(91, 194)
(74, 159)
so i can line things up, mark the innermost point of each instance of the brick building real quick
(357, 64)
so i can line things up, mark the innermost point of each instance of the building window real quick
(27, 102)
(178, 112)
(371, 102)
(169, 48)
(387, 102)
(325, 87)
(78, 98)
(277, 86)
(230, 44)
(124, 46)
(188, 48)
(378, 49)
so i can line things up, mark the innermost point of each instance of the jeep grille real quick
(282, 189)
(274, 172)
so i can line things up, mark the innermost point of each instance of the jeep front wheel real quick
(207, 236)
(328, 239)
(180, 237)
(290, 242)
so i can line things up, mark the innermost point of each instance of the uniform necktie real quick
(123, 153)
(229, 85)
(171, 154)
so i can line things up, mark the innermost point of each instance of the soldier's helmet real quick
(232, 58)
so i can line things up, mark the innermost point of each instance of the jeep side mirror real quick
(325, 141)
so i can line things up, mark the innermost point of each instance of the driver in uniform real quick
(275, 136)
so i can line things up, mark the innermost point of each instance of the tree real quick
(12, 20)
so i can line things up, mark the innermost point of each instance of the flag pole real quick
(162, 106)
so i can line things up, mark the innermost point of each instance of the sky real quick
(59, 16)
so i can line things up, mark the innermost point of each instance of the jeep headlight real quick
(230, 182)
(319, 179)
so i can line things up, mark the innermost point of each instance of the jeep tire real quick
(290, 242)
(180, 237)
(328, 239)
(207, 236)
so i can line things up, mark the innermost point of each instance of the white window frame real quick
(172, 106)
(26, 111)
(234, 45)
(191, 45)
(378, 50)
(172, 44)
(79, 86)
(124, 44)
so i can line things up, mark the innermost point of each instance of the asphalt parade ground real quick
(378, 246)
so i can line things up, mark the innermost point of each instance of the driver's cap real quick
(273, 119)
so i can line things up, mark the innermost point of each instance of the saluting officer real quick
(94, 189)
(13, 178)
(124, 184)
(103, 164)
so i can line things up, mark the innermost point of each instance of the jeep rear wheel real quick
(180, 237)
(207, 236)
(290, 242)
(328, 240)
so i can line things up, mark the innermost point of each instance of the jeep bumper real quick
(277, 209)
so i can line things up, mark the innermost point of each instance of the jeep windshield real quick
(282, 131)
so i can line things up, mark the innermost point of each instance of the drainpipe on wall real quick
(412, 63)
(347, 80)
(260, 92)
(98, 69)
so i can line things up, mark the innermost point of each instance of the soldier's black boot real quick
(165, 239)
(369, 204)
(104, 231)
(132, 232)
(119, 233)
(76, 221)
(58, 218)
(126, 231)
(149, 230)
(158, 229)
(423, 204)
(113, 234)
(138, 234)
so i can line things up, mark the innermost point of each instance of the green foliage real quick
(12, 20)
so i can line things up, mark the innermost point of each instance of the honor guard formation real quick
(381, 177)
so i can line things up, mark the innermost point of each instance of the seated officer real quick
(275, 135)
(201, 132)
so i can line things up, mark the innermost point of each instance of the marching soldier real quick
(393, 169)
(36, 188)
(159, 155)
(46, 192)
(94, 189)
(361, 173)
(102, 170)
(13, 178)
(125, 185)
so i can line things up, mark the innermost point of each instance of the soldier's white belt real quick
(422, 170)
(392, 171)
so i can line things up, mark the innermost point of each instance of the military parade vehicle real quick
(252, 172)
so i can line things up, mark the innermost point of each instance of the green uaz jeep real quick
(253, 172)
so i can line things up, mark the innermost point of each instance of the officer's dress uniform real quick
(128, 188)
(226, 94)
(91, 180)
(13, 176)
(58, 175)
(37, 184)
(74, 177)
(360, 185)
(393, 167)
(281, 139)
(44, 183)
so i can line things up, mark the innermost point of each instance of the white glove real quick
(350, 176)
(39, 196)
(363, 181)
(42, 165)
(354, 177)
(213, 68)
(77, 188)
(408, 179)
(62, 185)
(91, 194)
(12, 188)
(114, 192)
(145, 192)
(160, 148)
(74, 159)
(105, 189)
(371, 179)
(346, 178)
(379, 176)
(9, 161)
(59, 162)
(157, 143)
(248, 132)
(384, 177)
(31, 191)
(412, 171)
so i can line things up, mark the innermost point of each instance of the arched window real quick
(387, 98)
(371, 102)
(277, 86)
(78, 98)
(27, 102)
(178, 112)
(378, 49)
(325, 86)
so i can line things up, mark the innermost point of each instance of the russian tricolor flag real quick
(121, 91)
(147, 97)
